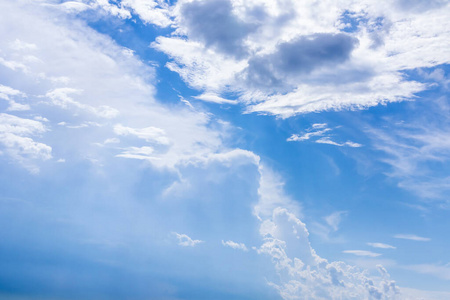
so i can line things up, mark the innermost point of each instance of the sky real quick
(224, 149)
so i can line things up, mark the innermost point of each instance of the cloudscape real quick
(224, 149)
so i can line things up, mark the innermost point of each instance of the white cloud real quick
(111, 141)
(335, 219)
(381, 246)
(305, 275)
(307, 135)
(150, 11)
(327, 140)
(413, 147)
(144, 153)
(253, 56)
(234, 245)
(320, 130)
(302, 273)
(412, 237)
(16, 138)
(101, 78)
(271, 195)
(185, 241)
(7, 92)
(362, 253)
(150, 134)
(213, 98)
(60, 97)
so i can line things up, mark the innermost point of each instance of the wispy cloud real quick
(418, 152)
(185, 241)
(412, 237)
(321, 132)
(234, 245)
(438, 271)
(335, 219)
(381, 246)
(362, 253)
(214, 98)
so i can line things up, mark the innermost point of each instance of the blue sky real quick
(224, 149)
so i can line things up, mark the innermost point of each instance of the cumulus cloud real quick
(304, 274)
(296, 57)
(234, 245)
(101, 78)
(185, 241)
(266, 62)
(412, 237)
(215, 24)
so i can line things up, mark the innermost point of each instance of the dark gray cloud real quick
(214, 23)
(298, 57)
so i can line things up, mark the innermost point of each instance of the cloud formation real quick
(321, 134)
(412, 237)
(265, 63)
(234, 245)
(185, 241)
(381, 246)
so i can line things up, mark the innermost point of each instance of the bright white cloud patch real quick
(185, 241)
(234, 245)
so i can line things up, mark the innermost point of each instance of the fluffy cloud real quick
(74, 75)
(7, 93)
(302, 273)
(215, 24)
(305, 275)
(297, 57)
(352, 53)
(16, 138)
